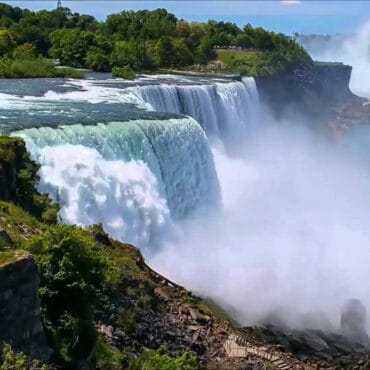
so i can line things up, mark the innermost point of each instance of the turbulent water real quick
(226, 111)
(131, 176)
(137, 176)
(278, 230)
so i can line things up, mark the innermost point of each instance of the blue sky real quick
(284, 16)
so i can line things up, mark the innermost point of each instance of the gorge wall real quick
(20, 324)
(313, 92)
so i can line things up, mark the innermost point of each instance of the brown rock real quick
(162, 294)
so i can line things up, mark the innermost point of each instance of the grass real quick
(253, 63)
(10, 255)
(230, 57)
(19, 224)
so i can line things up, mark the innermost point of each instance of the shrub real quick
(127, 318)
(125, 72)
(73, 278)
(161, 360)
(68, 72)
(36, 67)
(107, 359)
(12, 360)
(31, 68)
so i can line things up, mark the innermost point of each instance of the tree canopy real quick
(141, 40)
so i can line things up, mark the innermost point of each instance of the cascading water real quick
(138, 176)
(227, 112)
(133, 176)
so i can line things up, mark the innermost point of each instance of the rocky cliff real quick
(314, 92)
(20, 324)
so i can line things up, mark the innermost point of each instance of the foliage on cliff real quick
(18, 179)
(143, 40)
(74, 274)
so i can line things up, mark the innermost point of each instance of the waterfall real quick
(139, 176)
(227, 112)
(134, 177)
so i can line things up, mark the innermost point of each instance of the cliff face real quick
(313, 92)
(20, 324)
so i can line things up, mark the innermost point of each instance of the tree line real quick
(142, 40)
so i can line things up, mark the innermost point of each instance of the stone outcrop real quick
(20, 324)
(312, 92)
(326, 349)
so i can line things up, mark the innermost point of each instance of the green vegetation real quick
(15, 360)
(74, 272)
(140, 41)
(161, 360)
(18, 184)
(285, 56)
(8, 255)
(24, 62)
(125, 72)
(254, 63)
(107, 359)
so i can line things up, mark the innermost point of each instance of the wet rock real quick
(353, 321)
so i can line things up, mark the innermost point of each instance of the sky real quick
(303, 16)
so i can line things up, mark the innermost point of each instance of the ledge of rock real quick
(20, 324)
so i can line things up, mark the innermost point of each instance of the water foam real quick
(113, 166)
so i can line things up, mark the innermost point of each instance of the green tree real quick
(71, 46)
(163, 52)
(7, 42)
(25, 51)
(124, 53)
(181, 53)
(73, 272)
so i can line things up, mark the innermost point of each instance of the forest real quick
(129, 41)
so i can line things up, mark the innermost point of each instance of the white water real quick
(226, 111)
(125, 175)
(167, 161)
(124, 196)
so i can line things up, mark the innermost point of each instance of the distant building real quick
(59, 4)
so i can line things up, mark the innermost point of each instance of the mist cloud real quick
(293, 237)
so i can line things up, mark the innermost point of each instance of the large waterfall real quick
(131, 176)
(226, 111)
(138, 176)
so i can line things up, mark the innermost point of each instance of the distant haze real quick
(353, 50)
